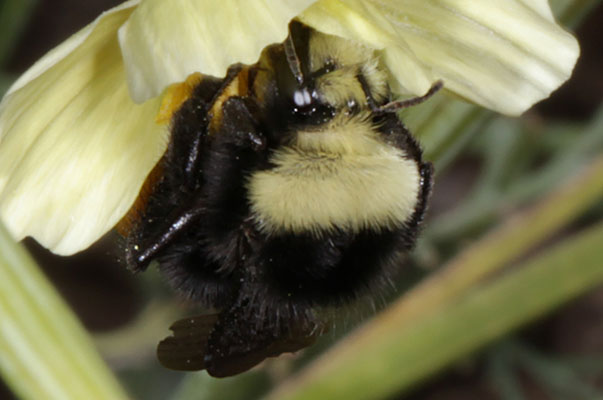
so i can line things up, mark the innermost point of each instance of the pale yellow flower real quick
(78, 134)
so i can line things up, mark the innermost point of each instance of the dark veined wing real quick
(225, 344)
(186, 349)
(231, 356)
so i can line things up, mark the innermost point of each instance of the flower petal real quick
(61, 51)
(165, 41)
(542, 7)
(505, 55)
(363, 22)
(74, 148)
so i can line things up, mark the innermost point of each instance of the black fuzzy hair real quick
(269, 290)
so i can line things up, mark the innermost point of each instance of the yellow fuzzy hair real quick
(350, 58)
(339, 175)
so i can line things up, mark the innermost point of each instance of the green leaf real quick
(44, 351)
(200, 386)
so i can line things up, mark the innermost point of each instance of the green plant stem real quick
(522, 232)
(502, 375)
(445, 125)
(553, 374)
(437, 322)
(201, 386)
(491, 196)
(44, 351)
(14, 15)
(572, 12)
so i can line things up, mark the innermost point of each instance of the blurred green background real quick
(502, 299)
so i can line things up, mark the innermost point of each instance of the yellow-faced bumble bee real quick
(288, 187)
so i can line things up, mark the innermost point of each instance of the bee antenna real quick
(293, 60)
(400, 104)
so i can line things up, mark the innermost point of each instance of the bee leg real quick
(183, 175)
(426, 172)
(139, 255)
(240, 121)
(190, 134)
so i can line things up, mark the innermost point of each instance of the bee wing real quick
(237, 362)
(241, 340)
(186, 349)
(227, 344)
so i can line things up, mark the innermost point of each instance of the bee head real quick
(333, 71)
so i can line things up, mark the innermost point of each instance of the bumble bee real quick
(287, 187)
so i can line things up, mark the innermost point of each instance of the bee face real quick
(287, 187)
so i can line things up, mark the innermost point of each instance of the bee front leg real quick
(241, 122)
(190, 136)
(140, 254)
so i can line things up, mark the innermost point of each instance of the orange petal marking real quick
(175, 95)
